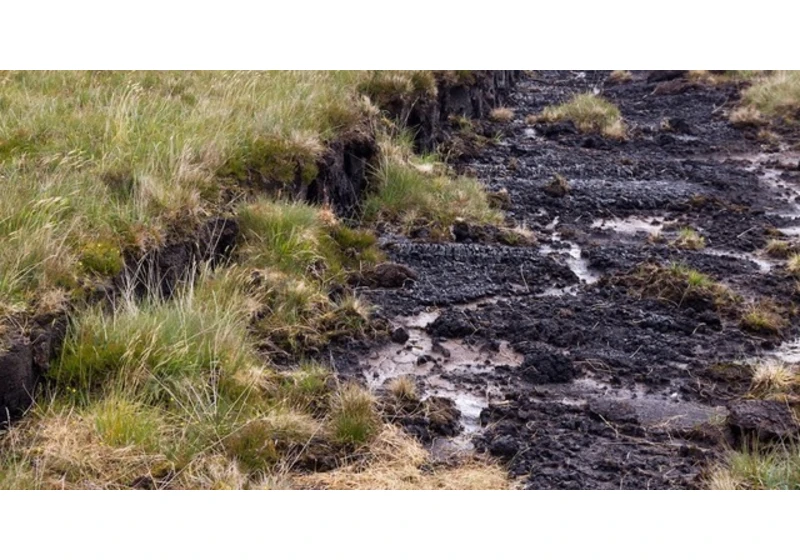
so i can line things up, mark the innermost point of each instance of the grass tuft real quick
(403, 388)
(354, 419)
(776, 94)
(793, 264)
(690, 239)
(771, 377)
(501, 114)
(590, 113)
(778, 248)
(762, 318)
(416, 197)
(620, 76)
(760, 467)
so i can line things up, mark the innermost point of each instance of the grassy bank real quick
(217, 386)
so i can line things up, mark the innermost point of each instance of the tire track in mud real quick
(565, 376)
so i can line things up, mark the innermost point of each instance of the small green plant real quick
(354, 419)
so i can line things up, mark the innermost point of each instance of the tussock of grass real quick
(425, 197)
(776, 94)
(746, 116)
(772, 377)
(354, 419)
(296, 253)
(397, 462)
(778, 248)
(759, 467)
(403, 388)
(681, 285)
(620, 76)
(590, 113)
(299, 239)
(762, 318)
(501, 114)
(158, 348)
(690, 239)
(793, 264)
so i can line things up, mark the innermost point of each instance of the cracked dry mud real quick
(563, 374)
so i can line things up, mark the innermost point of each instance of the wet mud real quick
(557, 368)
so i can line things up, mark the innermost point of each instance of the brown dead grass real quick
(501, 114)
(396, 462)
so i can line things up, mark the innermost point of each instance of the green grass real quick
(776, 94)
(354, 419)
(414, 193)
(760, 467)
(124, 158)
(681, 284)
(590, 113)
(763, 318)
(186, 392)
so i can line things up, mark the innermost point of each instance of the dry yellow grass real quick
(746, 116)
(403, 388)
(772, 376)
(620, 76)
(776, 94)
(395, 463)
(501, 114)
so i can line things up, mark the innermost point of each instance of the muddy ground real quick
(558, 369)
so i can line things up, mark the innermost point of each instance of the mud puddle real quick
(592, 385)
(436, 364)
(571, 255)
(633, 225)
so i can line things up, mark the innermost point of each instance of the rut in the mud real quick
(560, 370)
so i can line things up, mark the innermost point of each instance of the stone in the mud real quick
(553, 130)
(424, 359)
(547, 367)
(613, 410)
(503, 446)
(665, 75)
(385, 275)
(439, 349)
(443, 416)
(399, 335)
(557, 187)
(678, 125)
(766, 420)
(451, 324)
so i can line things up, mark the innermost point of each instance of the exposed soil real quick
(559, 369)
